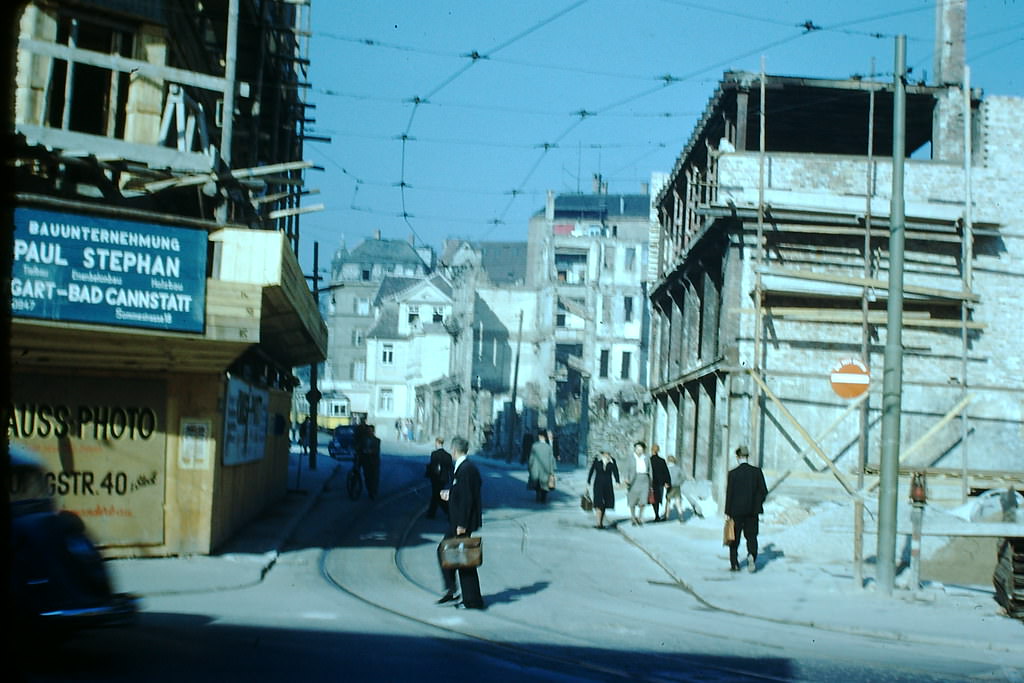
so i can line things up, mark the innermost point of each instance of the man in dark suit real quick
(439, 472)
(464, 517)
(745, 492)
(369, 461)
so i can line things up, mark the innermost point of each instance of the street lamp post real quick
(313, 396)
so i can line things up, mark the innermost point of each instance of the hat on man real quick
(742, 452)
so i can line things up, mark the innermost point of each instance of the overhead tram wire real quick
(474, 57)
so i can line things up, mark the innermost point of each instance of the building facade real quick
(355, 280)
(158, 307)
(773, 270)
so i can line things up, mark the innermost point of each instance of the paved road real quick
(352, 598)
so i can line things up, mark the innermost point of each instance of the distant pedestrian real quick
(369, 461)
(638, 482)
(660, 481)
(602, 471)
(745, 492)
(465, 515)
(439, 472)
(541, 467)
(398, 429)
(304, 430)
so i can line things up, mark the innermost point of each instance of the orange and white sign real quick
(850, 378)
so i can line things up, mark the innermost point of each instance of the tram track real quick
(517, 652)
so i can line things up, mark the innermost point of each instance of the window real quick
(357, 337)
(93, 99)
(358, 371)
(361, 306)
(630, 258)
(438, 314)
(387, 354)
(603, 368)
(414, 315)
(627, 304)
(609, 258)
(560, 318)
(606, 309)
(366, 274)
(627, 359)
(386, 400)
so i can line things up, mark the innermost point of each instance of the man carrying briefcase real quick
(464, 517)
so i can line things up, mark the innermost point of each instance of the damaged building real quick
(158, 304)
(769, 303)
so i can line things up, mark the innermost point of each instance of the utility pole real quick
(892, 383)
(313, 396)
(515, 385)
(227, 129)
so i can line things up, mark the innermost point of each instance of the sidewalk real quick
(244, 559)
(802, 584)
(816, 589)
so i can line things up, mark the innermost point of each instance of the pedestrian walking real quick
(638, 482)
(304, 429)
(661, 479)
(465, 515)
(745, 492)
(602, 471)
(369, 461)
(439, 472)
(541, 467)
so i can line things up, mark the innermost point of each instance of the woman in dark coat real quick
(602, 471)
(660, 480)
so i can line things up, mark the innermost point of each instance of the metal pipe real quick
(227, 129)
(967, 258)
(892, 386)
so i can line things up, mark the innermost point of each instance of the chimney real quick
(645, 188)
(597, 183)
(549, 208)
(376, 234)
(950, 60)
(950, 41)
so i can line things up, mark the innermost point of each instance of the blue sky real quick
(430, 141)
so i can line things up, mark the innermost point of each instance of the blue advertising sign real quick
(108, 271)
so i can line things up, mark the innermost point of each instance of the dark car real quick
(59, 582)
(343, 441)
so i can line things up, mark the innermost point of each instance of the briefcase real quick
(462, 552)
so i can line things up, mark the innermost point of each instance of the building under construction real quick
(158, 304)
(769, 306)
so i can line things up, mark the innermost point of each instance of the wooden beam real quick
(954, 411)
(125, 65)
(803, 432)
(238, 174)
(873, 283)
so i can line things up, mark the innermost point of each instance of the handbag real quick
(551, 482)
(729, 533)
(461, 552)
(651, 500)
(586, 502)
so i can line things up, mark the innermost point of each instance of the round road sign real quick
(849, 378)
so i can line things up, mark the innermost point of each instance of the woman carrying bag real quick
(602, 471)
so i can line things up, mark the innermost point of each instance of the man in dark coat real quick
(465, 515)
(660, 481)
(744, 499)
(369, 461)
(439, 472)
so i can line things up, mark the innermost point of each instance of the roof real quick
(504, 262)
(392, 285)
(602, 206)
(383, 251)
(386, 326)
